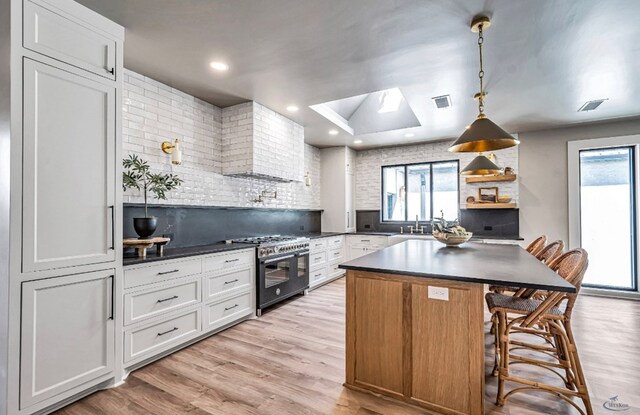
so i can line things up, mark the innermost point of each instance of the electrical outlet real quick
(367, 226)
(488, 228)
(439, 293)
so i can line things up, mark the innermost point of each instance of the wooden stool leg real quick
(496, 345)
(581, 383)
(503, 334)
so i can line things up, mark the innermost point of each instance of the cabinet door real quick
(51, 34)
(356, 252)
(67, 334)
(349, 201)
(68, 169)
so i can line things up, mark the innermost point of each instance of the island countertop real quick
(508, 265)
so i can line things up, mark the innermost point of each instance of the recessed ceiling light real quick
(409, 135)
(357, 141)
(333, 132)
(292, 108)
(219, 66)
(591, 105)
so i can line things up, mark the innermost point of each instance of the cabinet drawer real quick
(149, 340)
(49, 33)
(317, 275)
(222, 262)
(221, 285)
(335, 255)
(142, 305)
(335, 242)
(163, 271)
(333, 270)
(367, 240)
(219, 313)
(317, 259)
(317, 245)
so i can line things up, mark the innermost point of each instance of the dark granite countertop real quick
(173, 253)
(508, 265)
(316, 235)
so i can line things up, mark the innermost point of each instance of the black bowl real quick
(145, 227)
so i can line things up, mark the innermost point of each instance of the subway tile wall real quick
(258, 140)
(155, 112)
(369, 163)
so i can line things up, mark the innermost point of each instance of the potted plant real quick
(137, 176)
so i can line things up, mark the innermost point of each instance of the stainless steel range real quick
(282, 267)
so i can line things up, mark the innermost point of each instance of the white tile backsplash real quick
(154, 112)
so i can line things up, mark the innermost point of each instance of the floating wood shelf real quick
(491, 205)
(487, 179)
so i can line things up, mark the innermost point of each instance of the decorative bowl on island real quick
(452, 239)
(449, 233)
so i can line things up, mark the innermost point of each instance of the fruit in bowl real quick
(450, 234)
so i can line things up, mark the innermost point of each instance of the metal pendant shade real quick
(483, 135)
(480, 166)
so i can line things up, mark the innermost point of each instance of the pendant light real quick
(483, 134)
(481, 166)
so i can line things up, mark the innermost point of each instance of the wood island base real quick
(416, 339)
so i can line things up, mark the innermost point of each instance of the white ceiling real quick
(543, 59)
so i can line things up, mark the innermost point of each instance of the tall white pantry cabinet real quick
(61, 264)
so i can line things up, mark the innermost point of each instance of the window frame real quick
(406, 186)
(574, 149)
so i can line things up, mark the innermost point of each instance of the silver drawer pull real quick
(318, 274)
(230, 308)
(232, 260)
(168, 272)
(230, 282)
(336, 253)
(168, 331)
(365, 240)
(168, 299)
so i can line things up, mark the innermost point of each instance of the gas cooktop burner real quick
(276, 244)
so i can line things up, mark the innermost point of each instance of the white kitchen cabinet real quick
(67, 334)
(69, 169)
(338, 189)
(360, 245)
(325, 254)
(53, 33)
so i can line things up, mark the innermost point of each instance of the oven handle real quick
(302, 253)
(282, 258)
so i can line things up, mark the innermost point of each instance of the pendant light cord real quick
(481, 74)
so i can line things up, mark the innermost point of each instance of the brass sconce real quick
(174, 150)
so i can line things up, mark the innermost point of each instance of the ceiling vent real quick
(591, 105)
(442, 102)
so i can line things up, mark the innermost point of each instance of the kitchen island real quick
(415, 319)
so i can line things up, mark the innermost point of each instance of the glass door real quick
(607, 216)
(277, 271)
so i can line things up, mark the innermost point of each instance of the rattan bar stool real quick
(533, 248)
(549, 318)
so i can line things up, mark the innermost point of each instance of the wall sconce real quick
(174, 150)
(307, 179)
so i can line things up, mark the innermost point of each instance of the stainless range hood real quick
(262, 144)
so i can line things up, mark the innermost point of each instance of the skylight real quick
(390, 100)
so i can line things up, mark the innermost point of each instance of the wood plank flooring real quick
(291, 362)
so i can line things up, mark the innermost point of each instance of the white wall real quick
(544, 193)
(154, 112)
(369, 163)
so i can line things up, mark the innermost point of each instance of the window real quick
(420, 190)
(602, 211)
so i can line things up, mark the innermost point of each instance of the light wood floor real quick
(291, 362)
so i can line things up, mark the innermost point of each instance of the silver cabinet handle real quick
(168, 331)
(232, 260)
(230, 308)
(230, 282)
(168, 299)
(168, 272)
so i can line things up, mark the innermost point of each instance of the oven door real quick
(282, 277)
